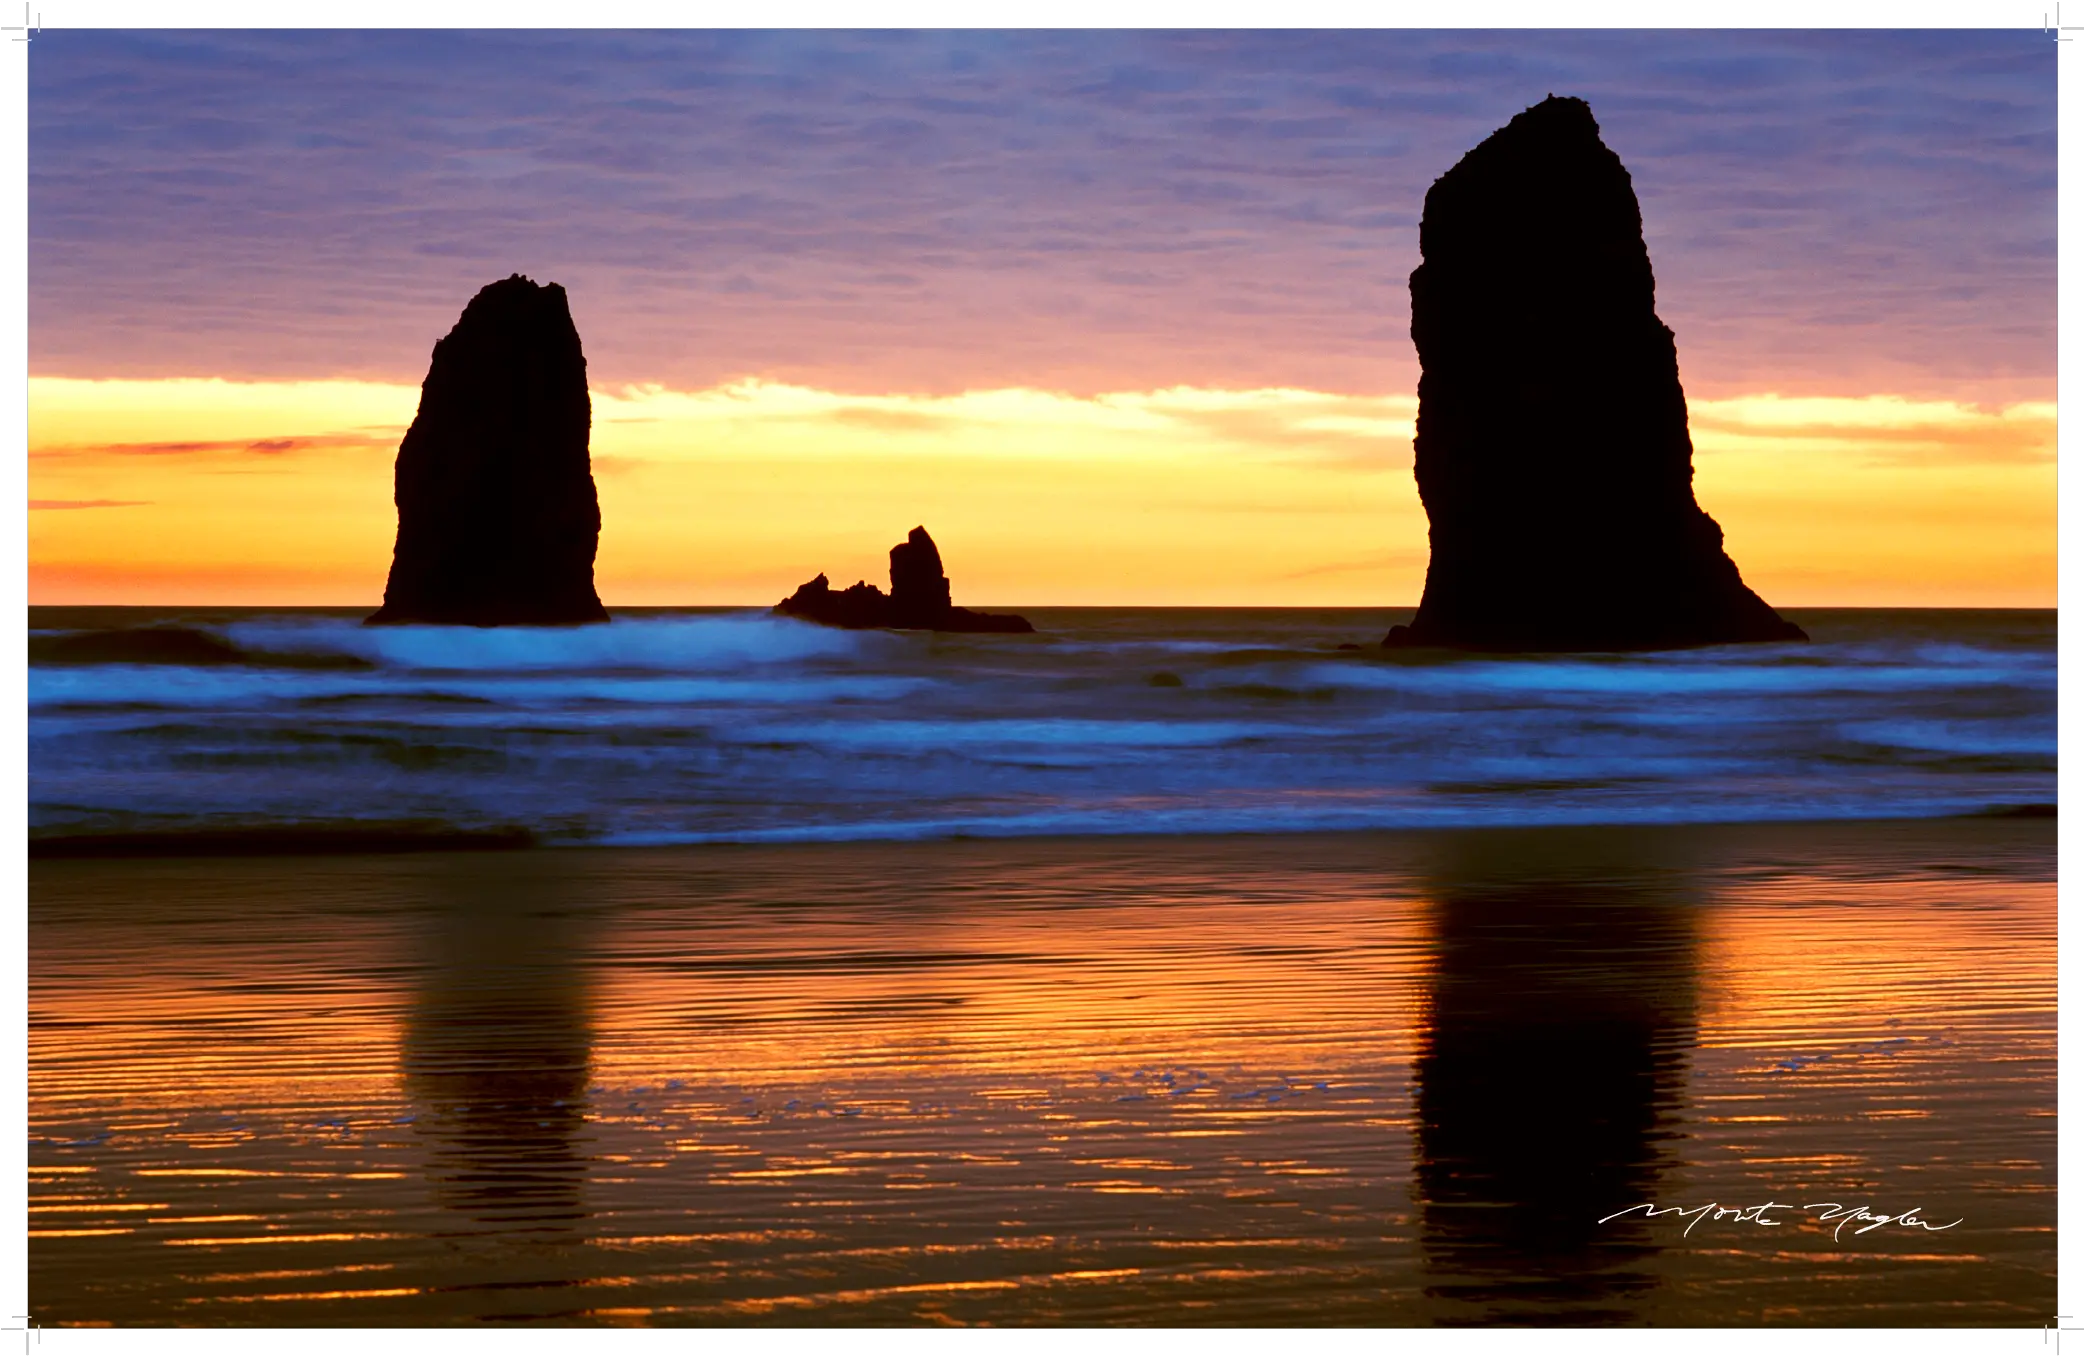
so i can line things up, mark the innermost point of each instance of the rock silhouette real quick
(497, 515)
(918, 599)
(1552, 450)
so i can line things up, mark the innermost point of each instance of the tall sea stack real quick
(1552, 451)
(497, 516)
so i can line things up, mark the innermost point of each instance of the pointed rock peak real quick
(1556, 130)
(915, 555)
(1536, 197)
(517, 298)
(918, 545)
(1559, 113)
(1551, 126)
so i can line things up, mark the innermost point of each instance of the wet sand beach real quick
(1379, 1078)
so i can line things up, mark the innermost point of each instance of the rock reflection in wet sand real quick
(496, 1053)
(1551, 1071)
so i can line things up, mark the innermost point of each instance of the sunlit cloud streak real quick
(1185, 495)
(1880, 430)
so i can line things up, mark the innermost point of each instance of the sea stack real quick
(1552, 451)
(918, 599)
(497, 516)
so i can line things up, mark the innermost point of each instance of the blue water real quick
(698, 725)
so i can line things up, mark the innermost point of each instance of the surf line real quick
(1824, 1212)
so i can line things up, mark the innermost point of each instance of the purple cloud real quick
(1085, 211)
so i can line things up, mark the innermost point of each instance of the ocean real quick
(710, 725)
(1167, 967)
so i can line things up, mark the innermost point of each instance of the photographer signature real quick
(1823, 1212)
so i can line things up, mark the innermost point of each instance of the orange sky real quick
(193, 491)
(1121, 316)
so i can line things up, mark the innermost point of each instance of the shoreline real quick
(412, 838)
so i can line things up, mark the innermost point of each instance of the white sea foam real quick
(700, 643)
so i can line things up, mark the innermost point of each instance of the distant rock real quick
(918, 599)
(497, 516)
(1552, 451)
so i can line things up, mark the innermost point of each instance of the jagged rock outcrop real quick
(1552, 451)
(497, 515)
(918, 599)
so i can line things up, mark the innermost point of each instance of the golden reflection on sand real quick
(1369, 1079)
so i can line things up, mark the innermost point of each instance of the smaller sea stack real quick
(497, 516)
(918, 599)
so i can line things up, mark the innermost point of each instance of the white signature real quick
(1823, 1212)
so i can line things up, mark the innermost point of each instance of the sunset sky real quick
(1121, 316)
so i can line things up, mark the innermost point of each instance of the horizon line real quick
(1086, 607)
